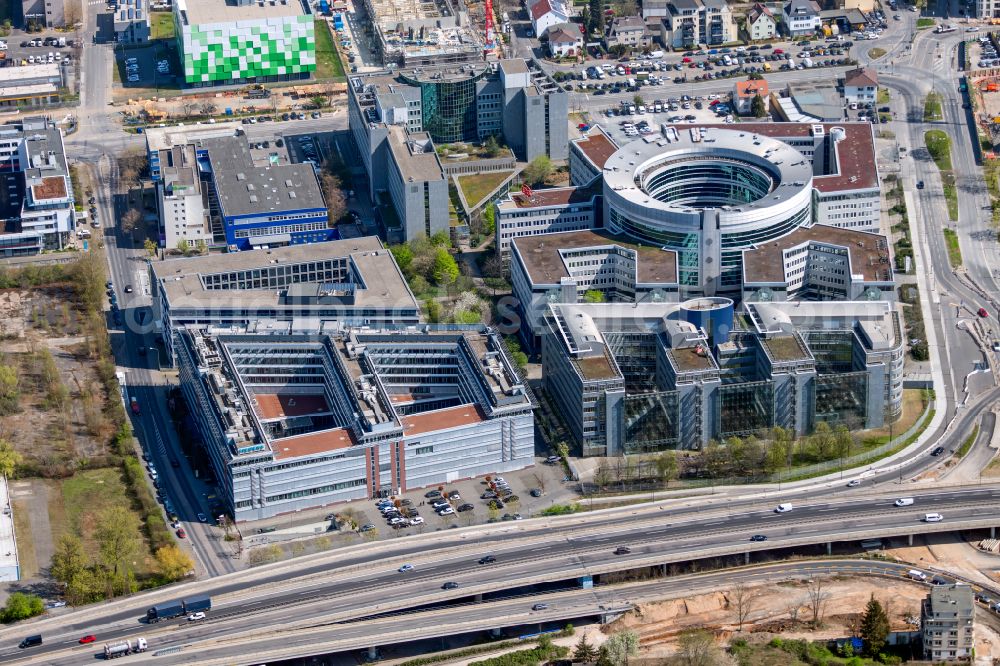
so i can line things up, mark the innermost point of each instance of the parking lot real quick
(36, 49)
(146, 67)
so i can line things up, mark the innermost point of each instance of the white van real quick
(904, 501)
(933, 517)
(916, 575)
(783, 508)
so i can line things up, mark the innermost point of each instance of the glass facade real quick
(449, 108)
(842, 399)
(833, 351)
(651, 422)
(745, 409)
(705, 182)
(686, 245)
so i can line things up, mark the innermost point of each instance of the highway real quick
(343, 586)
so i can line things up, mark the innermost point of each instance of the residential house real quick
(946, 623)
(565, 39)
(861, 86)
(801, 17)
(546, 14)
(628, 31)
(744, 93)
(761, 23)
(691, 22)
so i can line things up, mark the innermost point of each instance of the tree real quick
(489, 219)
(403, 256)
(620, 647)
(150, 246)
(10, 394)
(174, 563)
(333, 193)
(638, 100)
(201, 246)
(584, 651)
(117, 535)
(208, 109)
(318, 101)
(696, 648)
(492, 146)
(9, 458)
(586, 21)
(596, 17)
(817, 598)
(84, 588)
(441, 239)
(71, 12)
(666, 466)
(593, 296)
(626, 8)
(445, 270)
(69, 560)
(757, 106)
(130, 219)
(183, 246)
(537, 170)
(21, 606)
(874, 627)
(742, 599)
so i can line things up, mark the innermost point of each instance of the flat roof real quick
(385, 286)
(158, 138)
(556, 196)
(869, 253)
(855, 154)
(441, 419)
(278, 405)
(19, 92)
(312, 443)
(227, 11)
(9, 75)
(785, 348)
(595, 367)
(414, 162)
(244, 188)
(9, 565)
(50, 187)
(597, 146)
(687, 359)
(540, 256)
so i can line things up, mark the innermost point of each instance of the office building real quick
(254, 196)
(294, 421)
(31, 85)
(410, 33)
(645, 377)
(396, 120)
(44, 13)
(131, 22)
(352, 282)
(239, 41)
(947, 621)
(36, 193)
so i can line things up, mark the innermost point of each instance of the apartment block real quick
(947, 622)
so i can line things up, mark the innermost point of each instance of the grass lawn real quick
(85, 495)
(969, 441)
(161, 25)
(328, 64)
(883, 96)
(26, 557)
(950, 194)
(925, 23)
(939, 146)
(954, 251)
(932, 107)
(478, 186)
(876, 53)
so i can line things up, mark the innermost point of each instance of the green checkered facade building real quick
(272, 48)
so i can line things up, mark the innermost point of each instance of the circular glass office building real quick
(708, 193)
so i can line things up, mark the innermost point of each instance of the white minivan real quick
(916, 574)
(933, 517)
(904, 501)
(783, 508)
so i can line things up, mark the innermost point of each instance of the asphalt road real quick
(368, 582)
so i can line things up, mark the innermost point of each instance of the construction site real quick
(417, 33)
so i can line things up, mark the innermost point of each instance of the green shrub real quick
(21, 606)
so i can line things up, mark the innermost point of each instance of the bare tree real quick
(208, 109)
(793, 611)
(188, 107)
(741, 599)
(72, 12)
(818, 596)
(539, 481)
(333, 192)
(130, 219)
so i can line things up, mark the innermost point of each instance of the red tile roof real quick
(563, 36)
(440, 419)
(751, 88)
(861, 77)
(856, 153)
(759, 10)
(276, 405)
(312, 443)
(540, 9)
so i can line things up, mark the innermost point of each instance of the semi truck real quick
(124, 648)
(180, 607)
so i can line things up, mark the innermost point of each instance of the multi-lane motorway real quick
(353, 584)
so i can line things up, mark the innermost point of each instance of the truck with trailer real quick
(124, 648)
(172, 609)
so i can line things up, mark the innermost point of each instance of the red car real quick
(983, 313)
(778, 51)
(181, 534)
(90, 638)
